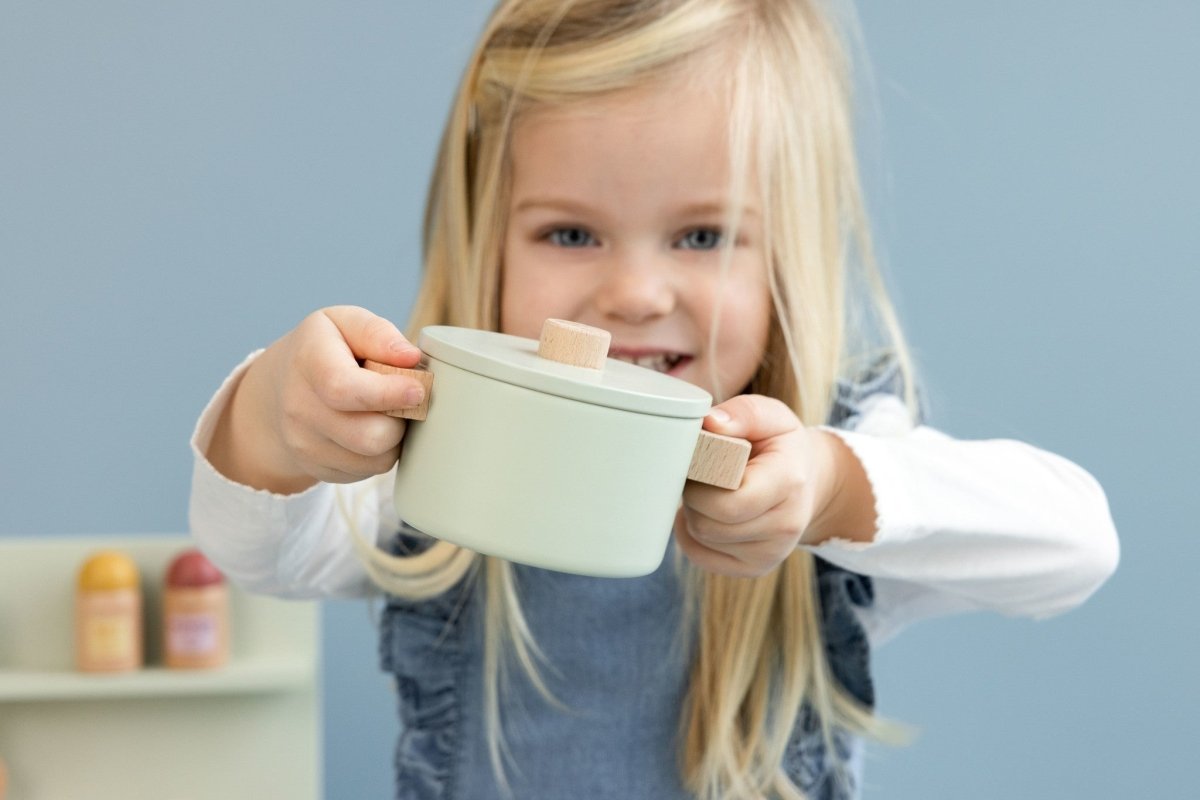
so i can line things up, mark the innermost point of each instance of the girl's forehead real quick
(635, 125)
(653, 100)
(641, 154)
(669, 135)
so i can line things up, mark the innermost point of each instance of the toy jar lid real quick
(515, 360)
(190, 569)
(107, 570)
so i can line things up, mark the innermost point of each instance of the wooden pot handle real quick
(719, 460)
(426, 378)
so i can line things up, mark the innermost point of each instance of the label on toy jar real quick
(196, 627)
(108, 637)
(192, 634)
(110, 630)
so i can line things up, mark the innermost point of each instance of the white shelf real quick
(244, 731)
(262, 675)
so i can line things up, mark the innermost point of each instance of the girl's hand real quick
(801, 485)
(306, 411)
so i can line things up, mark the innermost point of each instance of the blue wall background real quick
(181, 183)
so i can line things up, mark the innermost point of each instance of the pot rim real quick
(514, 360)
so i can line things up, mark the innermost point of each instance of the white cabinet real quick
(247, 730)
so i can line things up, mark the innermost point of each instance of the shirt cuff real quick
(896, 518)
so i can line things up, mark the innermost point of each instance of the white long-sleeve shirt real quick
(961, 525)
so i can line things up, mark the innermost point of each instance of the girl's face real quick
(617, 220)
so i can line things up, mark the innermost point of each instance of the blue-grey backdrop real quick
(180, 183)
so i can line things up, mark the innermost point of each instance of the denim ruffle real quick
(422, 645)
(847, 648)
(810, 766)
(820, 774)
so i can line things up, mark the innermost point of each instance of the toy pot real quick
(548, 453)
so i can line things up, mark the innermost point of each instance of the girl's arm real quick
(942, 524)
(287, 545)
(987, 524)
(300, 412)
(304, 411)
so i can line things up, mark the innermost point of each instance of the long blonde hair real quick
(790, 117)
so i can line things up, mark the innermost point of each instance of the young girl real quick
(680, 173)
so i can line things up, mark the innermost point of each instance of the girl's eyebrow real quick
(552, 204)
(716, 209)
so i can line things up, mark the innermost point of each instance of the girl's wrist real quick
(846, 502)
(245, 447)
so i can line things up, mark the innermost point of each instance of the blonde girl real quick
(681, 173)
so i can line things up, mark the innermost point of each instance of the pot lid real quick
(515, 360)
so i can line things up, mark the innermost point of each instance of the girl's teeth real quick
(659, 363)
(652, 362)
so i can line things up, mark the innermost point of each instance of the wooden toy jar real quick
(195, 613)
(549, 453)
(108, 614)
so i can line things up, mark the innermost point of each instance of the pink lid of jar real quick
(191, 569)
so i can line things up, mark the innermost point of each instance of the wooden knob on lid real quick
(574, 343)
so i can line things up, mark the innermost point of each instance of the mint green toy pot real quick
(572, 468)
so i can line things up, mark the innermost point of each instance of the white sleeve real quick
(964, 525)
(295, 546)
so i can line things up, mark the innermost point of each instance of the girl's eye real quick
(570, 237)
(701, 239)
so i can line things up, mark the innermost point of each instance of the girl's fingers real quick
(371, 336)
(349, 387)
(747, 561)
(752, 417)
(762, 489)
(328, 362)
(328, 461)
(721, 536)
(365, 433)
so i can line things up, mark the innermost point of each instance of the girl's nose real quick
(635, 292)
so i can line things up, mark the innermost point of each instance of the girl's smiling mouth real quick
(667, 361)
